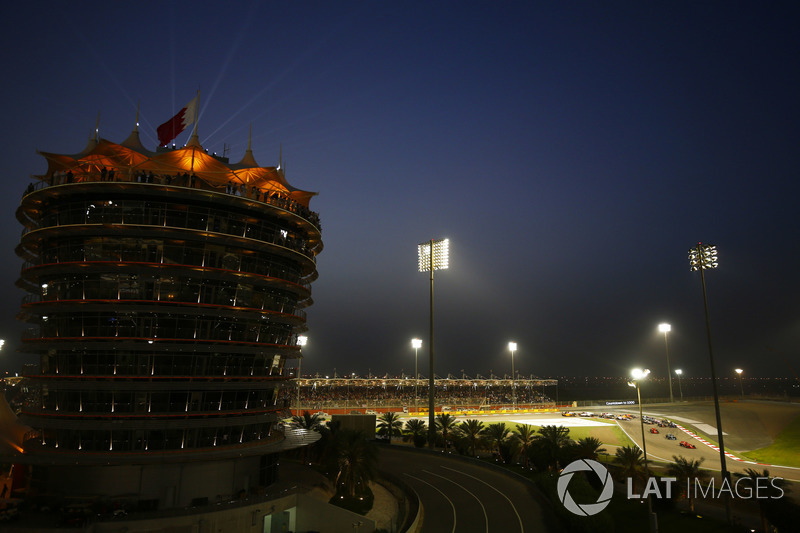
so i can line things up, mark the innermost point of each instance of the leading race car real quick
(685, 444)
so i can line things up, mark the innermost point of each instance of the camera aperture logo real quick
(585, 509)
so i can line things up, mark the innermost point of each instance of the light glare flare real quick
(441, 255)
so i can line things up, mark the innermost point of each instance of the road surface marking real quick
(522, 529)
(486, 516)
(443, 494)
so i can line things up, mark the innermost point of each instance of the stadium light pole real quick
(512, 346)
(704, 257)
(741, 387)
(678, 372)
(416, 344)
(637, 374)
(432, 255)
(666, 328)
(301, 341)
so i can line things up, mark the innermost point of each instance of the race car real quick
(670, 436)
(653, 430)
(685, 444)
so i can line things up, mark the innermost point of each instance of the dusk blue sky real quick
(572, 152)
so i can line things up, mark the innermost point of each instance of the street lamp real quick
(704, 257)
(416, 344)
(637, 374)
(301, 341)
(513, 347)
(666, 328)
(741, 387)
(432, 255)
(679, 372)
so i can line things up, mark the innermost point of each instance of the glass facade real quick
(162, 310)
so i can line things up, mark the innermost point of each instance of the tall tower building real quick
(166, 291)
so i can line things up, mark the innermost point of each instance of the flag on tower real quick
(174, 126)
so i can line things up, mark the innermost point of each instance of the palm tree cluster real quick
(349, 457)
(545, 449)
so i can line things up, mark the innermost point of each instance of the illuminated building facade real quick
(166, 292)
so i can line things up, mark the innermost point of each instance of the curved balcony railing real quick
(257, 371)
(154, 326)
(159, 215)
(274, 199)
(149, 293)
(130, 438)
(186, 255)
(107, 410)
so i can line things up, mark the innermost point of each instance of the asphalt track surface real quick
(661, 449)
(459, 496)
(747, 425)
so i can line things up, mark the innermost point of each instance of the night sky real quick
(571, 152)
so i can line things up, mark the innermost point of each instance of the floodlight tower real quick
(301, 341)
(432, 255)
(512, 346)
(416, 344)
(637, 374)
(704, 257)
(666, 328)
(679, 372)
(741, 386)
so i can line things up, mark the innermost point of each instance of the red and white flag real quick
(174, 126)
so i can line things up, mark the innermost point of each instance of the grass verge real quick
(611, 435)
(783, 451)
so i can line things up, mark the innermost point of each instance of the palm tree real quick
(391, 425)
(631, 461)
(308, 421)
(496, 434)
(587, 448)
(549, 445)
(525, 435)
(765, 491)
(445, 424)
(685, 471)
(356, 460)
(472, 430)
(417, 430)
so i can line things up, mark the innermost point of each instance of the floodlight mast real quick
(704, 257)
(301, 341)
(416, 344)
(637, 374)
(512, 347)
(666, 328)
(432, 255)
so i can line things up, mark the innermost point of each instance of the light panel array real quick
(441, 255)
(703, 256)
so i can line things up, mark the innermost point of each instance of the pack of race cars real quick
(662, 423)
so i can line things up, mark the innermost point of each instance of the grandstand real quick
(325, 393)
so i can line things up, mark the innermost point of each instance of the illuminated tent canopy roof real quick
(130, 159)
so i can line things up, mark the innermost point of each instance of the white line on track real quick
(638, 446)
(522, 529)
(434, 487)
(486, 516)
